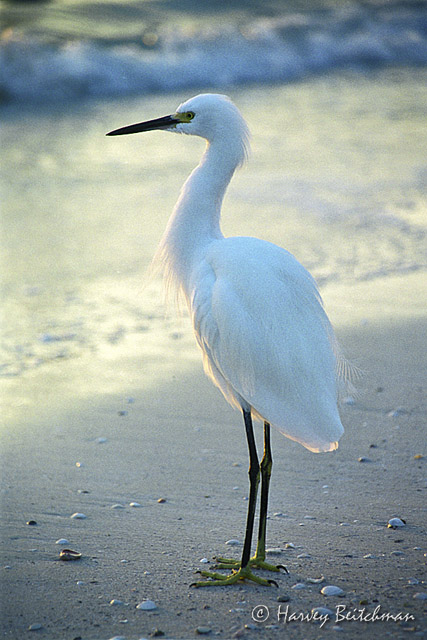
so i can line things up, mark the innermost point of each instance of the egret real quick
(257, 314)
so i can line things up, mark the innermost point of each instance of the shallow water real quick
(64, 50)
(337, 176)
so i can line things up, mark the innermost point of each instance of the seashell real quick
(134, 504)
(289, 545)
(69, 554)
(322, 611)
(146, 605)
(303, 556)
(161, 500)
(298, 586)
(283, 598)
(331, 590)
(62, 541)
(316, 580)
(233, 542)
(274, 551)
(395, 413)
(100, 440)
(31, 523)
(78, 516)
(421, 595)
(35, 626)
(116, 603)
(395, 523)
(203, 631)
(117, 506)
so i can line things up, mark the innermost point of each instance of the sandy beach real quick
(105, 408)
(65, 451)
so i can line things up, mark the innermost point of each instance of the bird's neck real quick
(195, 221)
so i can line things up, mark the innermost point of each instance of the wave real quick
(264, 50)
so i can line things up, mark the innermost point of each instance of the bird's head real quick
(209, 115)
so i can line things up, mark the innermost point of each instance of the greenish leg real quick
(242, 571)
(258, 560)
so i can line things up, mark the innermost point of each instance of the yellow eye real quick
(189, 115)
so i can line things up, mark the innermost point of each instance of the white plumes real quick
(257, 314)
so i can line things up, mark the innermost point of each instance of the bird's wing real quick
(266, 339)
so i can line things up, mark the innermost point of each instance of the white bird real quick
(257, 314)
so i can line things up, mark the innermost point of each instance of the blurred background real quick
(334, 92)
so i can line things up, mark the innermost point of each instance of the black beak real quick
(149, 125)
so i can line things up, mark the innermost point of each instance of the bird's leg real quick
(266, 465)
(258, 560)
(242, 571)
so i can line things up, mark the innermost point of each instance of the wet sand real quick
(177, 439)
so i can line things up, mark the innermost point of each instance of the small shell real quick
(116, 603)
(35, 626)
(299, 585)
(204, 560)
(146, 605)
(422, 595)
(69, 554)
(78, 516)
(322, 611)
(233, 542)
(117, 506)
(283, 598)
(395, 523)
(134, 504)
(62, 541)
(316, 580)
(161, 500)
(203, 631)
(331, 590)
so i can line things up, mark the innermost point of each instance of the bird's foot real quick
(241, 573)
(257, 563)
